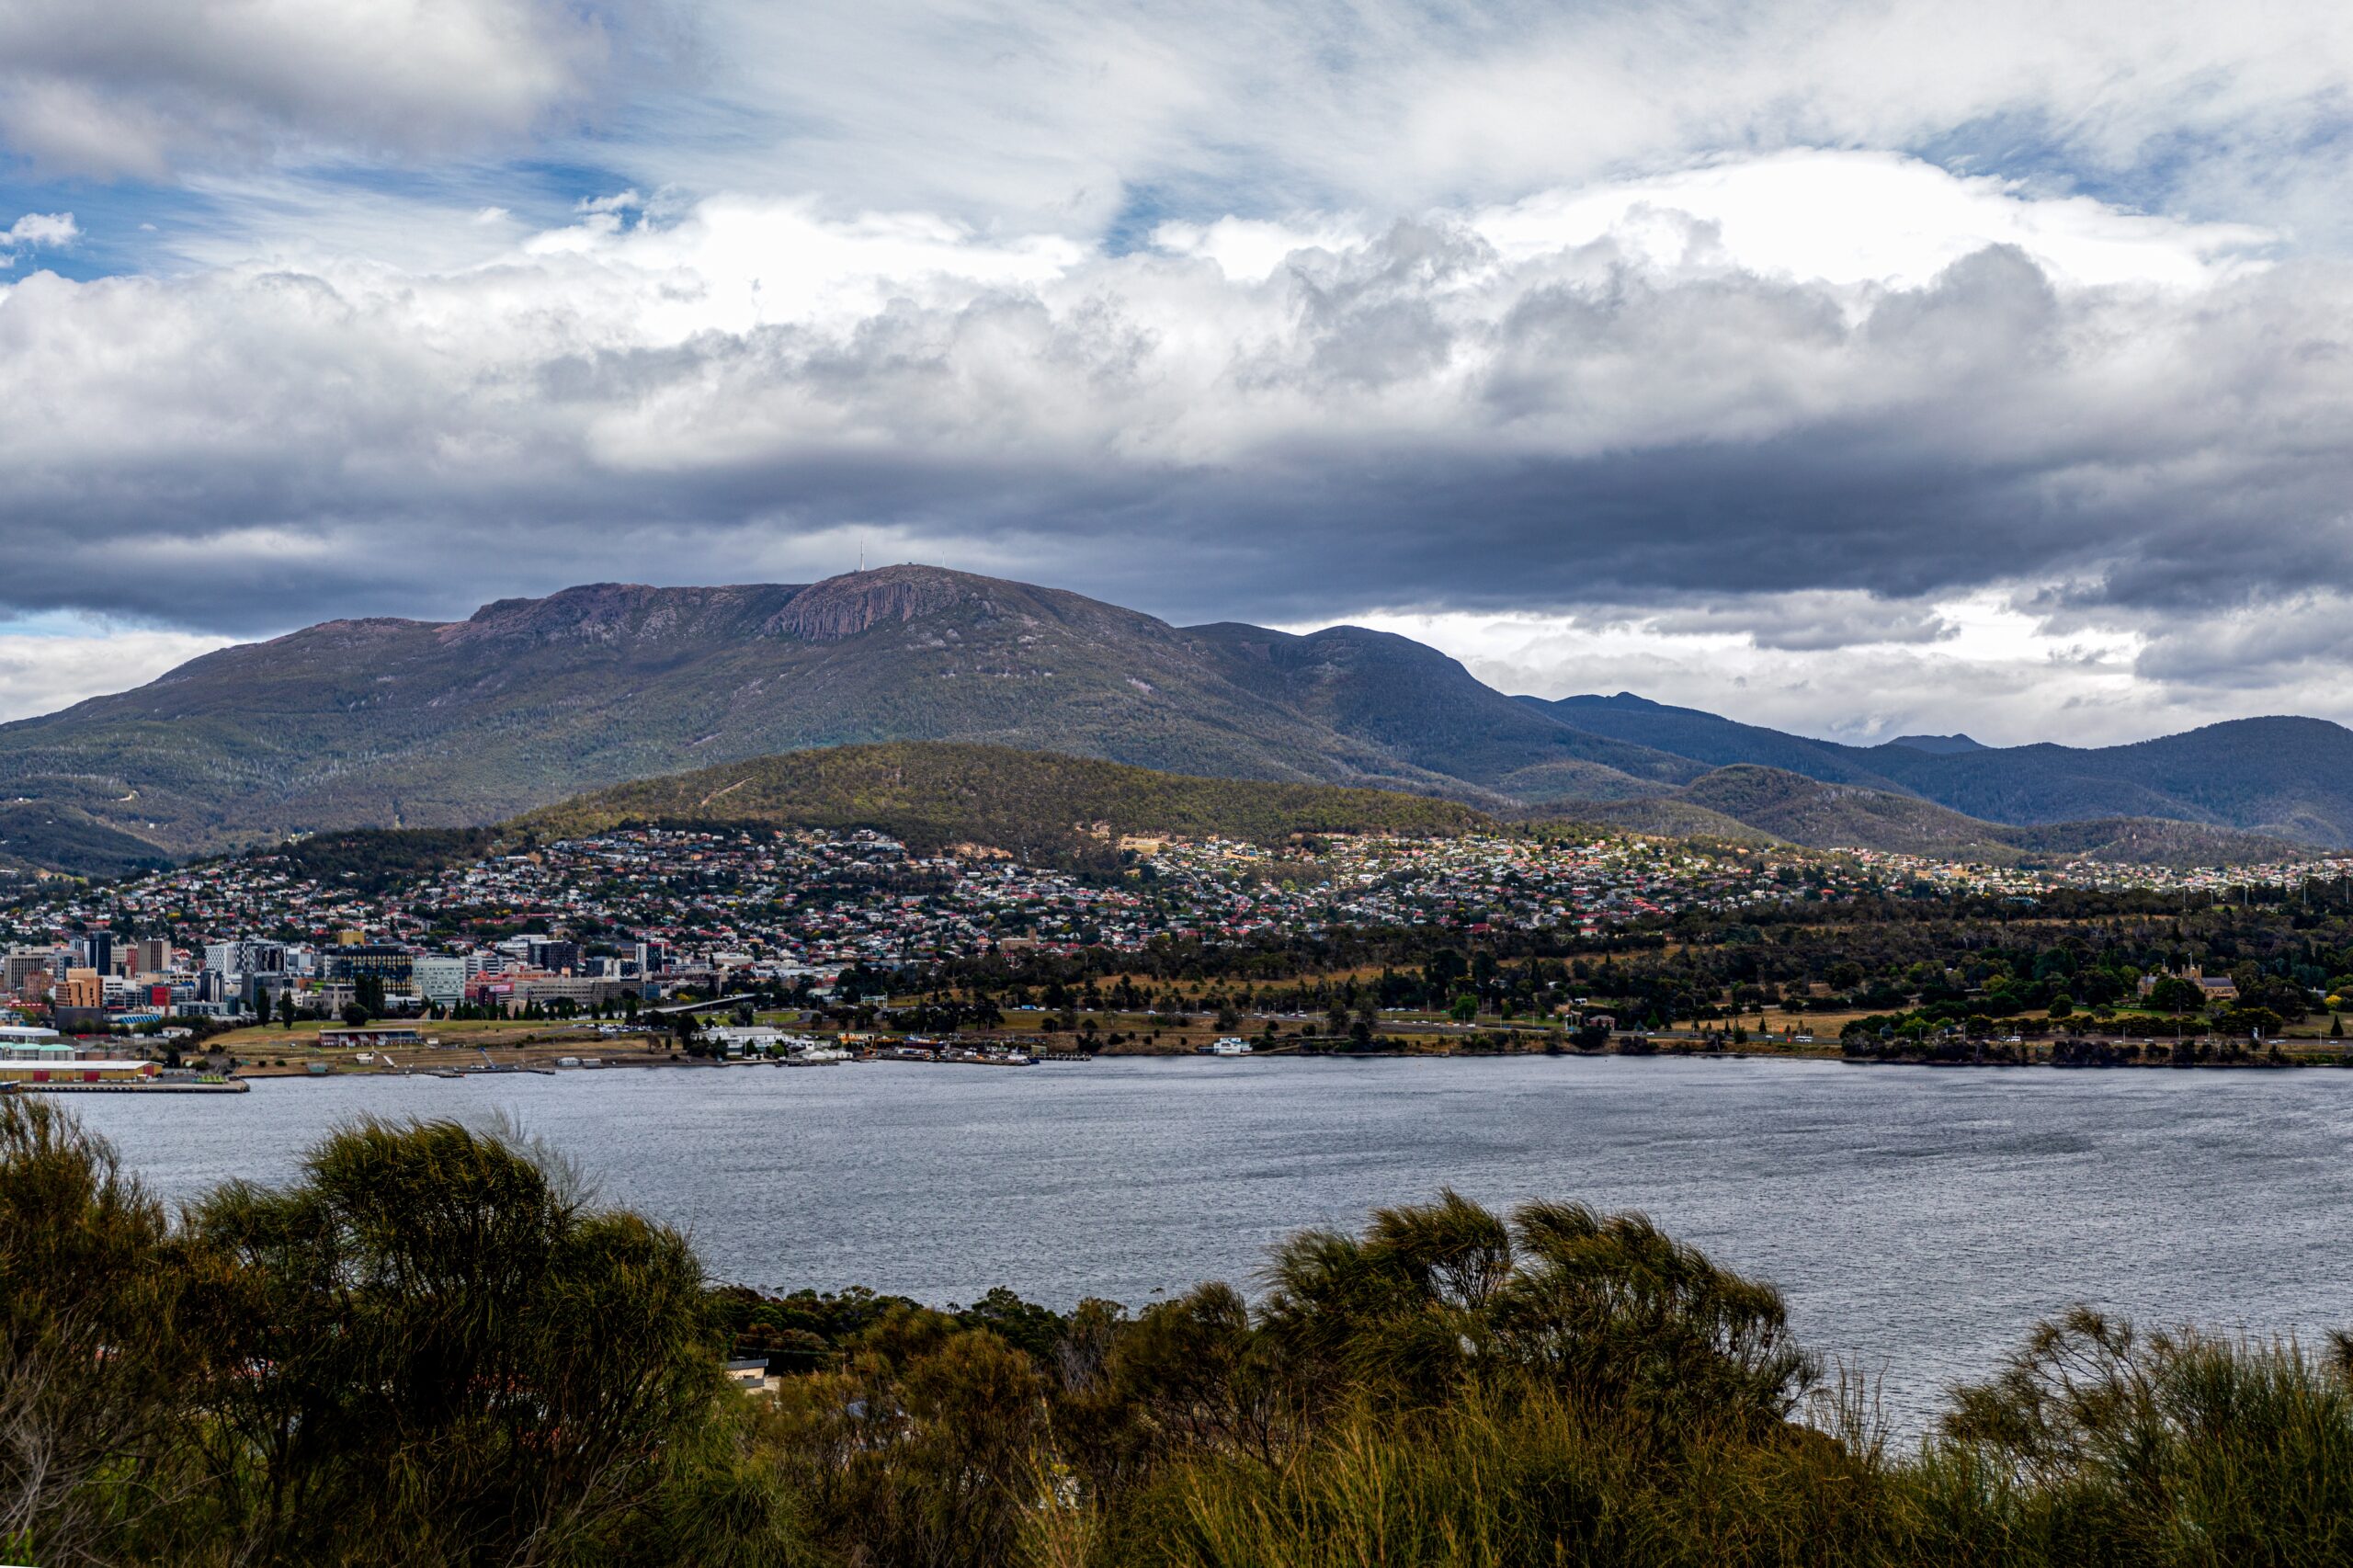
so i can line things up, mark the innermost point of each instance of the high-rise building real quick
(440, 981)
(553, 955)
(151, 955)
(245, 958)
(384, 961)
(22, 964)
(82, 988)
(97, 950)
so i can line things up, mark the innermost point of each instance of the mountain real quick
(2278, 778)
(399, 723)
(1035, 805)
(527, 703)
(1704, 737)
(1943, 745)
(1427, 711)
(1792, 807)
(2288, 777)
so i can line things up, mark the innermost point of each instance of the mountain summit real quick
(529, 701)
(857, 602)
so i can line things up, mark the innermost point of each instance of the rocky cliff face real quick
(616, 614)
(843, 606)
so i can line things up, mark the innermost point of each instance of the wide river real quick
(1919, 1219)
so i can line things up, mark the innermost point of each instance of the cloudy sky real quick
(1851, 367)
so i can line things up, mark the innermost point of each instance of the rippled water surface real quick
(1918, 1220)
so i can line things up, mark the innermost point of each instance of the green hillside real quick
(2149, 841)
(1823, 816)
(368, 860)
(1033, 804)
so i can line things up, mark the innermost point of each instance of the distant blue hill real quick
(2288, 777)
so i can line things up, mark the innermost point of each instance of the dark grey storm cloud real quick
(1422, 418)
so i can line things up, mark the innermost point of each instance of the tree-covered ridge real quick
(38, 835)
(1033, 805)
(430, 1350)
(368, 861)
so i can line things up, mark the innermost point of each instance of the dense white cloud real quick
(1064, 112)
(67, 659)
(36, 229)
(1752, 417)
(1776, 333)
(151, 88)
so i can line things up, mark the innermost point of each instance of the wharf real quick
(147, 1087)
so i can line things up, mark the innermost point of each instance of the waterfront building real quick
(370, 1036)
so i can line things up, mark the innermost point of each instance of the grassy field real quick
(270, 1050)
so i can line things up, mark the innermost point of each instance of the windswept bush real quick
(2097, 1443)
(92, 1370)
(429, 1349)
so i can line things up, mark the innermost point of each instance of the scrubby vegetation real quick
(433, 1349)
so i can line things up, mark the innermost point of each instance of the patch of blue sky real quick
(130, 227)
(1142, 209)
(2221, 174)
(58, 623)
(1232, 192)
(122, 224)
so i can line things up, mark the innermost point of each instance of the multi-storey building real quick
(440, 981)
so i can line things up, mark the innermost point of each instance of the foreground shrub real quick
(431, 1349)
(2095, 1444)
(92, 1375)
